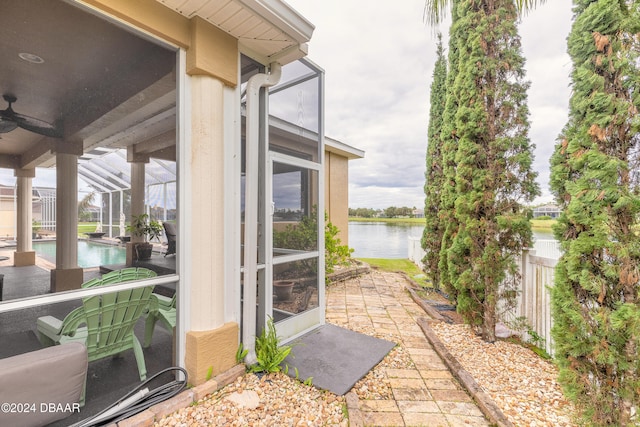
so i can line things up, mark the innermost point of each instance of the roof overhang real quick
(267, 30)
(334, 146)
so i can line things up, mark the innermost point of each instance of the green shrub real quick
(269, 353)
(304, 236)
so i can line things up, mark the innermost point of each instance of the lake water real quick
(391, 240)
(381, 239)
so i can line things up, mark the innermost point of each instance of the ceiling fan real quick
(10, 120)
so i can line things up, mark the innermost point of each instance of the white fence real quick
(548, 248)
(533, 302)
(416, 253)
(534, 299)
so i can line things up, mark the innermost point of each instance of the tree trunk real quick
(489, 320)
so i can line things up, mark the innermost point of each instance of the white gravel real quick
(522, 384)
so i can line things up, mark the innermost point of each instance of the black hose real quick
(155, 396)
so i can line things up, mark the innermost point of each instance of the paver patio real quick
(426, 394)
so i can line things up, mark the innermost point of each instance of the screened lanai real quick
(107, 172)
(167, 111)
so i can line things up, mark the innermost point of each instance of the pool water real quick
(90, 254)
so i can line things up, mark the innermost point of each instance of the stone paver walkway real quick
(424, 394)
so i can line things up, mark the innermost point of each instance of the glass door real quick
(294, 269)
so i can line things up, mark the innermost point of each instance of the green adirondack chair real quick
(161, 308)
(108, 319)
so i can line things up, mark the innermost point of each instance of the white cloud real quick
(379, 58)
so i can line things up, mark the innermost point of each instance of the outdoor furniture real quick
(161, 308)
(95, 235)
(170, 231)
(53, 377)
(108, 319)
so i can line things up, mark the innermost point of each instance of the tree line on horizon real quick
(390, 212)
(479, 179)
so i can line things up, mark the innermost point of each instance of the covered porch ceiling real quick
(104, 86)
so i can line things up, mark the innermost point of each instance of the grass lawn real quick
(86, 227)
(418, 221)
(404, 265)
(542, 224)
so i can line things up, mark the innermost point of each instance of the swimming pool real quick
(90, 254)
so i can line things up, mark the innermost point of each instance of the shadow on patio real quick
(107, 379)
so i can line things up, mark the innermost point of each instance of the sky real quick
(378, 59)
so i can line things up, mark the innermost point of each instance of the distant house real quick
(418, 213)
(549, 210)
(43, 209)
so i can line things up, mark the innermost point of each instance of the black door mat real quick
(335, 358)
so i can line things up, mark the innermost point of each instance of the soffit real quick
(267, 30)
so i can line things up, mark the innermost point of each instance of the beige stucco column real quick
(24, 254)
(336, 193)
(67, 275)
(211, 343)
(137, 163)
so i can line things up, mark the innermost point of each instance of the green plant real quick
(595, 299)
(304, 236)
(536, 342)
(144, 226)
(434, 229)
(334, 253)
(241, 353)
(36, 226)
(269, 353)
(209, 373)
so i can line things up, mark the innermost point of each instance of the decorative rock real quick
(246, 399)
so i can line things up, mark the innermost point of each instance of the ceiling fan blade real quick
(11, 120)
(37, 126)
(7, 125)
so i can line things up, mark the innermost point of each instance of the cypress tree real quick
(433, 230)
(594, 177)
(493, 173)
(448, 151)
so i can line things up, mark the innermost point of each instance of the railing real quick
(548, 248)
(416, 253)
(533, 301)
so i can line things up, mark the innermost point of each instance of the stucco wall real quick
(337, 193)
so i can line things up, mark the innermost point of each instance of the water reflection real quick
(381, 240)
(390, 240)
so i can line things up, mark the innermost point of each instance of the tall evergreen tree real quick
(595, 178)
(448, 152)
(433, 230)
(493, 162)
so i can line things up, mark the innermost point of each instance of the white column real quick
(137, 193)
(67, 275)
(24, 254)
(24, 209)
(205, 216)
(66, 211)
